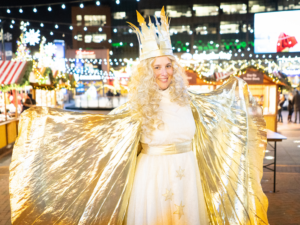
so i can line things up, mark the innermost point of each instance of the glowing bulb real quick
(131, 44)
(81, 5)
(34, 10)
(117, 2)
(11, 26)
(109, 41)
(63, 6)
(51, 33)
(8, 10)
(85, 28)
(71, 27)
(56, 26)
(97, 3)
(100, 29)
(42, 25)
(115, 30)
(49, 9)
(21, 10)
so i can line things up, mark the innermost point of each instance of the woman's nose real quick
(164, 71)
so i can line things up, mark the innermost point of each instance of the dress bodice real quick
(179, 124)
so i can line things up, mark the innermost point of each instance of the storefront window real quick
(234, 8)
(79, 20)
(176, 11)
(150, 12)
(94, 20)
(206, 10)
(119, 15)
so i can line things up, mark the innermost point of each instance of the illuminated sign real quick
(79, 52)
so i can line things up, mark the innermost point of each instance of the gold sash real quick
(171, 149)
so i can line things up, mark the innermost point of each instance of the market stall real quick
(265, 89)
(13, 81)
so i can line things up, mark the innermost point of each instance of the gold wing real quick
(72, 168)
(229, 144)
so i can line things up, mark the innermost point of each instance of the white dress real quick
(167, 188)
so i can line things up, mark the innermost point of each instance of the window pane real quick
(79, 20)
(256, 6)
(202, 10)
(179, 29)
(88, 38)
(119, 15)
(206, 29)
(97, 38)
(94, 20)
(228, 8)
(176, 11)
(229, 27)
(79, 36)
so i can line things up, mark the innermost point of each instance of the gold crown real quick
(152, 45)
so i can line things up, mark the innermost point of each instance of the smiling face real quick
(163, 71)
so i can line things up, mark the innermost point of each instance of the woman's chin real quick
(163, 86)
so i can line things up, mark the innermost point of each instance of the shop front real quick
(264, 89)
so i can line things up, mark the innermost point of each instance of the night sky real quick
(57, 15)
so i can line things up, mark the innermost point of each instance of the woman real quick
(199, 156)
(167, 187)
(290, 106)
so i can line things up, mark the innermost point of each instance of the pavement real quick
(284, 204)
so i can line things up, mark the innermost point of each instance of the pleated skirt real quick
(167, 191)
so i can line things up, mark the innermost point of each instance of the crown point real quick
(162, 12)
(140, 19)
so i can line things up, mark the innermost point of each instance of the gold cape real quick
(74, 168)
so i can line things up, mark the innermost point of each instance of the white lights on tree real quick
(8, 10)
(81, 5)
(21, 10)
(34, 10)
(51, 33)
(32, 37)
(117, 2)
(11, 26)
(63, 6)
(56, 26)
(42, 25)
(71, 27)
(97, 3)
(50, 49)
(49, 9)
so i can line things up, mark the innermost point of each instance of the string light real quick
(97, 3)
(81, 5)
(56, 26)
(42, 25)
(11, 26)
(63, 6)
(100, 29)
(8, 10)
(109, 41)
(51, 33)
(49, 9)
(13, 22)
(117, 2)
(85, 28)
(71, 27)
(34, 10)
(20, 10)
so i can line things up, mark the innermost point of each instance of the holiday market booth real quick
(50, 87)
(14, 85)
(265, 87)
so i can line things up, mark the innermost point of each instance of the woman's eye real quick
(156, 68)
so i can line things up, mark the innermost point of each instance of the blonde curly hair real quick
(144, 95)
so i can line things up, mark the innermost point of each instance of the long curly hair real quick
(144, 94)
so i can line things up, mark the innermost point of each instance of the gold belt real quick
(171, 149)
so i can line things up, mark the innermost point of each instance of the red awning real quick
(10, 71)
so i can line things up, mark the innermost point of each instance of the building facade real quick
(196, 27)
